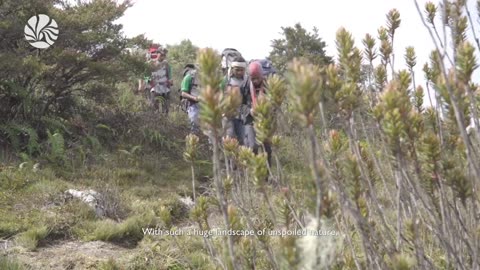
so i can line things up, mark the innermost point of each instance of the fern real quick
(55, 124)
(11, 135)
(135, 149)
(106, 128)
(24, 157)
(57, 148)
(33, 145)
(105, 133)
(125, 152)
(21, 137)
(132, 154)
(92, 142)
(157, 139)
(81, 155)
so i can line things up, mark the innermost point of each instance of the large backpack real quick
(161, 77)
(228, 55)
(267, 67)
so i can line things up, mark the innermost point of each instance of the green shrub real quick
(7, 263)
(31, 238)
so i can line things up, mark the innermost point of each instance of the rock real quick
(90, 197)
(36, 167)
(187, 201)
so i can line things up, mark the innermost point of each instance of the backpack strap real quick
(229, 73)
(169, 76)
(192, 80)
(253, 95)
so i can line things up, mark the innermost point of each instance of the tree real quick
(82, 67)
(178, 56)
(297, 42)
(78, 77)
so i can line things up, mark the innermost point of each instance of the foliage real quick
(297, 42)
(396, 182)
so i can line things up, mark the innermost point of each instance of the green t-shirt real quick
(186, 83)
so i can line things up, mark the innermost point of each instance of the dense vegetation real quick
(356, 151)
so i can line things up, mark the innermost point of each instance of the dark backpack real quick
(267, 67)
(228, 55)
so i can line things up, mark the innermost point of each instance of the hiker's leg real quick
(268, 149)
(146, 94)
(239, 130)
(166, 104)
(228, 126)
(161, 102)
(150, 98)
(193, 116)
(250, 137)
(154, 100)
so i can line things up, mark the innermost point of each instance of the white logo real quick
(41, 31)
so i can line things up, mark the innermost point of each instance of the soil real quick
(71, 255)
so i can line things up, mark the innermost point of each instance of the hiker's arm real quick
(190, 97)
(141, 84)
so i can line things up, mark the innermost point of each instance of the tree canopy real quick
(297, 42)
(85, 63)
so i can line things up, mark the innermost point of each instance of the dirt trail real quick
(77, 255)
(71, 255)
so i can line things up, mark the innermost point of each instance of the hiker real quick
(190, 91)
(161, 80)
(228, 56)
(267, 67)
(256, 88)
(236, 77)
(145, 84)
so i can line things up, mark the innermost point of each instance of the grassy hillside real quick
(363, 175)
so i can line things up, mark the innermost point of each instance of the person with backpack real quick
(228, 56)
(190, 92)
(267, 67)
(145, 84)
(160, 79)
(256, 88)
(236, 77)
